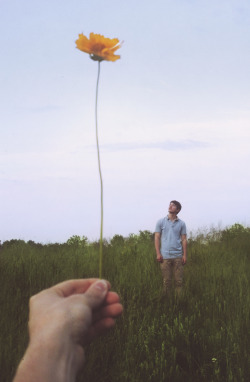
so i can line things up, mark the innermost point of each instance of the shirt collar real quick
(174, 219)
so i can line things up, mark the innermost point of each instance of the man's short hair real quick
(178, 204)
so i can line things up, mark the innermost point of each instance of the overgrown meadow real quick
(202, 336)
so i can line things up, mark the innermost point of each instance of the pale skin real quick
(62, 321)
(172, 214)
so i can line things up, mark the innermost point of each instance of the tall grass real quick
(202, 336)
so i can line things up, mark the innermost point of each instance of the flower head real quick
(99, 47)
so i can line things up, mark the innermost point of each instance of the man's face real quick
(173, 209)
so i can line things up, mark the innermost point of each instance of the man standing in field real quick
(171, 247)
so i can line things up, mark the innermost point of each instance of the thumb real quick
(96, 293)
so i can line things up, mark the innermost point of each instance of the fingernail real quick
(101, 285)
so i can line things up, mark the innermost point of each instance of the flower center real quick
(98, 47)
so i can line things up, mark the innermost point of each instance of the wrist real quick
(50, 362)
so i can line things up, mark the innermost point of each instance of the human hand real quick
(184, 259)
(62, 320)
(159, 258)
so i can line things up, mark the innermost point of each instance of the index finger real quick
(67, 288)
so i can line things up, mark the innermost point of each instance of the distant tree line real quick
(233, 234)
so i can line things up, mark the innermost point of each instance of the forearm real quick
(157, 246)
(47, 363)
(184, 248)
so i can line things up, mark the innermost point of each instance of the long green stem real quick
(100, 172)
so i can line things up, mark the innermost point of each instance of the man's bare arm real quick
(184, 247)
(157, 247)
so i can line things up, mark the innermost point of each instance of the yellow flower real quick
(99, 47)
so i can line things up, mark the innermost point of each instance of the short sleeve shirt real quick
(171, 231)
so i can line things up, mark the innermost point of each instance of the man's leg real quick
(166, 269)
(178, 275)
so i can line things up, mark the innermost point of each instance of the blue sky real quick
(174, 116)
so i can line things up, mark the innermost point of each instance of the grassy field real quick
(202, 336)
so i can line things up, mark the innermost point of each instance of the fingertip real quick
(101, 285)
(96, 293)
(112, 297)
